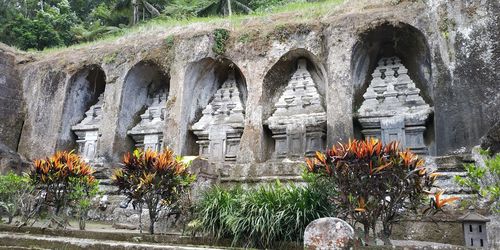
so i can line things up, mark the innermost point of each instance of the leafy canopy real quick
(374, 181)
(155, 179)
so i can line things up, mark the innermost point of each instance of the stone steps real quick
(449, 167)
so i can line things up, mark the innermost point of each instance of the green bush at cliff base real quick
(14, 189)
(484, 181)
(263, 217)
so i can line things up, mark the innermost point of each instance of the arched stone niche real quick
(142, 108)
(293, 100)
(399, 52)
(82, 112)
(215, 95)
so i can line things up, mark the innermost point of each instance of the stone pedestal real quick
(87, 131)
(148, 133)
(299, 122)
(393, 109)
(220, 128)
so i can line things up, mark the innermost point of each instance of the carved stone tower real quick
(299, 122)
(87, 131)
(148, 133)
(393, 108)
(220, 128)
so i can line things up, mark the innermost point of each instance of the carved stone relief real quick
(299, 122)
(148, 133)
(220, 128)
(393, 108)
(87, 131)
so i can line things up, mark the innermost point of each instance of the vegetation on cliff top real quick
(41, 24)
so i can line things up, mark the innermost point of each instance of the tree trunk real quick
(366, 230)
(81, 223)
(229, 7)
(135, 9)
(152, 227)
(82, 220)
(386, 233)
(140, 218)
(152, 219)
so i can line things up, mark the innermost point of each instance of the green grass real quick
(308, 10)
(264, 217)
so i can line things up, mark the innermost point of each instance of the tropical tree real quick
(57, 179)
(225, 7)
(154, 179)
(375, 182)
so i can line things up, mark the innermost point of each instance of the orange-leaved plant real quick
(154, 179)
(58, 177)
(374, 181)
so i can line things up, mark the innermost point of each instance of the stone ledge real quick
(58, 242)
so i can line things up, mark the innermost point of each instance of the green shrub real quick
(374, 182)
(14, 189)
(82, 194)
(169, 41)
(484, 180)
(220, 36)
(263, 217)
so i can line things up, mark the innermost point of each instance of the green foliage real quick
(28, 25)
(82, 194)
(184, 9)
(375, 182)
(220, 36)
(28, 33)
(156, 180)
(110, 58)
(484, 180)
(14, 189)
(263, 217)
(169, 41)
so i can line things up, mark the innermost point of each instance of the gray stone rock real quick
(328, 233)
(491, 140)
(12, 161)
(125, 226)
(11, 98)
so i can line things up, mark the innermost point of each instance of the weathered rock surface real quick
(328, 233)
(491, 140)
(450, 51)
(11, 98)
(11, 161)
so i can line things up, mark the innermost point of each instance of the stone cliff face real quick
(451, 52)
(11, 99)
(11, 111)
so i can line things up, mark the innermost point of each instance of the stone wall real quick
(450, 50)
(11, 99)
